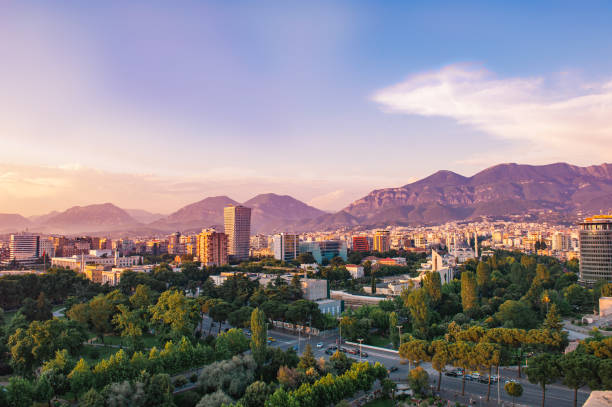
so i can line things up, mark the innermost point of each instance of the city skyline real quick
(174, 104)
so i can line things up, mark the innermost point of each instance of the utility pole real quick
(360, 341)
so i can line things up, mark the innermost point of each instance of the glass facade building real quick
(596, 249)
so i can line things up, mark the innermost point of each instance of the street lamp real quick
(360, 341)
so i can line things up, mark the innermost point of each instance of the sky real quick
(155, 104)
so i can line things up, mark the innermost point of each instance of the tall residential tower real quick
(238, 230)
(596, 249)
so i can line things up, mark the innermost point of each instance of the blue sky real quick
(159, 104)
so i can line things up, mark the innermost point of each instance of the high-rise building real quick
(596, 249)
(361, 244)
(24, 248)
(212, 248)
(238, 230)
(382, 242)
(286, 246)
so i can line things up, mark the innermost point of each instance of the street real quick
(557, 395)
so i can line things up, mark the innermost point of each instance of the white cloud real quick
(559, 117)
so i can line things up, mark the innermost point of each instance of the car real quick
(295, 348)
(474, 376)
(364, 354)
(392, 369)
(333, 347)
(353, 351)
(271, 339)
(454, 373)
(343, 350)
(509, 381)
(329, 351)
(320, 345)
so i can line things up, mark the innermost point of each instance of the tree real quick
(307, 360)
(514, 390)
(289, 377)
(259, 336)
(469, 298)
(433, 285)
(81, 377)
(440, 357)
(142, 297)
(20, 392)
(240, 317)
(463, 356)
(43, 390)
(92, 399)
(483, 277)
(543, 369)
(418, 305)
(79, 313)
(418, 379)
(516, 314)
(487, 356)
(415, 351)
(256, 394)
(306, 258)
(373, 282)
(340, 363)
(231, 343)
(393, 331)
(219, 313)
(173, 311)
(578, 370)
(130, 324)
(553, 320)
(100, 313)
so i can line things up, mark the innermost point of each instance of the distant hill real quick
(555, 192)
(143, 216)
(202, 214)
(42, 218)
(502, 190)
(90, 218)
(271, 212)
(12, 222)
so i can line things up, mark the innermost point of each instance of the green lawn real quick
(380, 341)
(148, 339)
(93, 354)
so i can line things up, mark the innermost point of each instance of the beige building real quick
(382, 241)
(212, 248)
(237, 219)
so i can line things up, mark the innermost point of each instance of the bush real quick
(193, 378)
(180, 382)
(187, 399)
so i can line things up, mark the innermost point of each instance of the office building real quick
(361, 244)
(325, 249)
(212, 248)
(237, 220)
(24, 248)
(286, 246)
(596, 249)
(382, 241)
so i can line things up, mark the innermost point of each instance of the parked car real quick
(455, 373)
(353, 351)
(329, 351)
(332, 347)
(474, 376)
(271, 339)
(343, 350)
(392, 369)
(364, 354)
(320, 345)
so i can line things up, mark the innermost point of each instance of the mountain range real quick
(556, 192)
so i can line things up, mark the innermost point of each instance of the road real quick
(556, 394)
